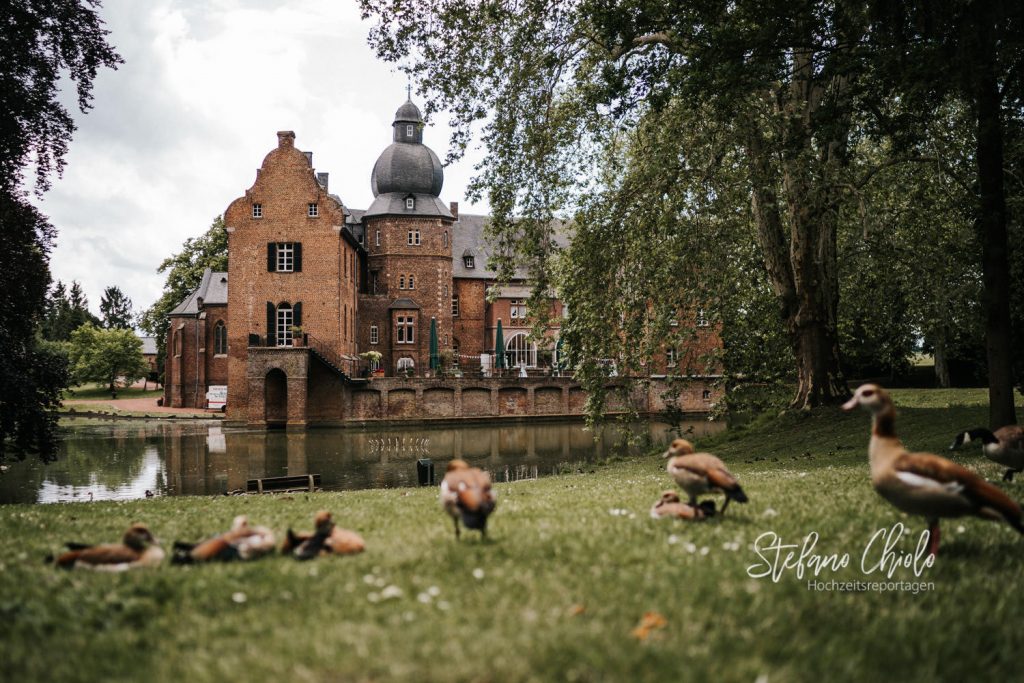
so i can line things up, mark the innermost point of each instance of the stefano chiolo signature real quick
(880, 556)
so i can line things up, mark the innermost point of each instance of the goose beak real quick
(851, 404)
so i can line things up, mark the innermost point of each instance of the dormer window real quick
(469, 261)
(257, 211)
(313, 210)
(410, 203)
(408, 130)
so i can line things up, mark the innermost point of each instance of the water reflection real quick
(124, 460)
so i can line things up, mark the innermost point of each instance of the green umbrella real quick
(435, 359)
(499, 349)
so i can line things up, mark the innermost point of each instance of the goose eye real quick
(868, 394)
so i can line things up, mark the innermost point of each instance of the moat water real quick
(125, 460)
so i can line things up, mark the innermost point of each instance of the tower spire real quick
(408, 91)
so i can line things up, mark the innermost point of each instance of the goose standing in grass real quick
(242, 542)
(923, 483)
(466, 494)
(700, 473)
(670, 507)
(1004, 446)
(327, 539)
(138, 548)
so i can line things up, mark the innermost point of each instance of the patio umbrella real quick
(435, 359)
(499, 348)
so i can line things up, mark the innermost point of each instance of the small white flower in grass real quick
(434, 591)
(770, 512)
(444, 605)
(803, 474)
(239, 597)
(690, 548)
(960, 529)
(369, 579)
(313, 571)
(409, 616)
(424, 598)
(673, 539)
(391, 592)
(478, 574)
(373, 597)
(705, 550)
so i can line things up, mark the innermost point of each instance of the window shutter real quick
(271, 257)
(298, 257)
(297, 314)
(271, 324)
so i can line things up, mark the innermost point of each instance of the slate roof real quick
(213, 290)
(403, 303)
(468, 239)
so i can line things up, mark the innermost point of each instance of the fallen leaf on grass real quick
(650, 621)
(576, 610)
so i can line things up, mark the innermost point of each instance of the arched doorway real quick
(275, 398)
(519, 351)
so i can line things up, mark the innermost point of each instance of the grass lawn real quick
(554, 594)
(100, 392)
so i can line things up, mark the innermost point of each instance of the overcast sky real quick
(178, 131)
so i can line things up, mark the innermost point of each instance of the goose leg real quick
(456, 521)
(933, 537)
(1008, 474)
(724, 505)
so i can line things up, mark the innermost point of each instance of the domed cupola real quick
(407, 177)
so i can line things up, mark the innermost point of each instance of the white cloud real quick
(177, 132)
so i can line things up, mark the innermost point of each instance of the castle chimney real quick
(322, 179)
(309, 157)
(454, 208)
(285, 138)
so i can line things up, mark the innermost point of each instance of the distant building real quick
(307, 271)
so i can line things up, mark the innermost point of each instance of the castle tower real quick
(408, 238)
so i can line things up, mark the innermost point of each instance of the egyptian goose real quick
(138, 548)
(242, 542)
(699, 473)
(466, 494)
(326, 539)
(922, 483)
(670, 507)
(1004, 446)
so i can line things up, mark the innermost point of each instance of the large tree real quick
(43, 43)
(110, 356)
(551, 82)
(973, 51)
(116, 309)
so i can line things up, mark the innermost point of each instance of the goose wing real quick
(927, 471)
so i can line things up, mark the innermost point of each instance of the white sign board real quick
(217, 396)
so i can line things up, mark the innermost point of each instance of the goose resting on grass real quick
(670, 507)
(1004, 446)
(700, 473)
(923, 483)
(138, 548)
(242, 542)
(326, 539)
(466, 494)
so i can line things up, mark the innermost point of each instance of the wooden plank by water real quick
(301, 482)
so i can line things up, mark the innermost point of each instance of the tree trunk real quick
(992, 225)
(941, 361)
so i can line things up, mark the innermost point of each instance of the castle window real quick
(444, 239)
(706, 395)
(405, 364)
(287, 257)
(469, 261)
(374, 335)
(702, 319)
(406, 330)
(455, 305)
(670, 356)
(412, 282)
(257, 211)
(378, 238)
(401, 282)
(519, 351)
(312, 210)
(517, 309)
(445, 290)
(220, 339)
(285, 320)
(408, 130)
(374, 276)
(414, 237)
(410, 203)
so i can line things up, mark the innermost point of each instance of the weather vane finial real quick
(408, 91)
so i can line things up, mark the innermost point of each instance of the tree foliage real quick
(43, 42)
(110, 356)
(184, 274)
(116, 309)
(66, 311)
